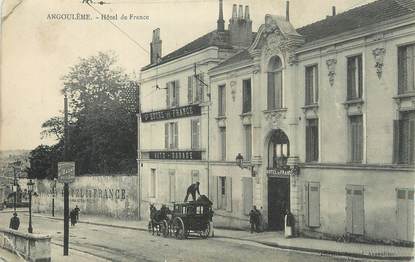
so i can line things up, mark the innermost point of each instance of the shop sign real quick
(179, 112)
(284, 172)
(176, 155)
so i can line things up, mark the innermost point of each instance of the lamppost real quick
(240, 162)
(53, 196)
(30, 189)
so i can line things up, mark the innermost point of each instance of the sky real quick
(36, 51)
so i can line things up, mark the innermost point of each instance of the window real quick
(404, 139)
(274, 95)
(313, 204)
(354, 78)
(246, 96)
(248, 142)
(195, 89)
(195, 131)
(221, 100)
(171, 137)
(172, 94)
(311, 140)
(311, 85)
(222, 143)
(152, 191)
(172, 185)
(406, 69)
(195, 176)
(356, 138)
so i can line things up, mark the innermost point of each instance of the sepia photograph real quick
(207, 130)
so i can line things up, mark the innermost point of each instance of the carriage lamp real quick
(239, 162)
(30, 189)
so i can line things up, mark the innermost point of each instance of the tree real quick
(103, 105)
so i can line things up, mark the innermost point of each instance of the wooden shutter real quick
(216, 188)
(314, 204)
(177, 92)
(411, 142)
(402, 70)
(247, 194)
(306, 200)
(360, 138)
(396, 142)
(190, 89)
(271, 91)
(401, 214)
(360, 77)
(201, 87)
(308, 85)
(410, 68)
(315, 141)
(350, 78)
(349, 209)
(308, 141)
(166, 135)
(410, 218)
(168, 95)
(316, 83)
(228, 183)
(358, 210)
(176, 135)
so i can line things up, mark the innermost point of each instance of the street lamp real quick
(239, 162)
(30, 189)
(53, 196)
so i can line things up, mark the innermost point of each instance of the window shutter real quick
(201, 87)
(270, 93)
(401, 69)
(307, 209)
(308, 85)
(349, 209)
(177, 92)
(315, 140)
(190, 89)
(176, 135)
(228, 182)
(316, 83)
(217, 188)
(314, 204)
(166, 135)
(411, 141)
(396, 142)
(167, 95)
(349, 79)
(360, 77)
(410, 86)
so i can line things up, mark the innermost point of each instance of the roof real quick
(214, 38)
(369, 14)
(239, 57)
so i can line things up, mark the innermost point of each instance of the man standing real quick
(192, 189)
(254, 219)
(77, 210)
(14, 222)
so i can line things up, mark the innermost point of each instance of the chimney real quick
(234, 12)
(287, 11)
(221, 22)
(333, 10)
(240, 27)
(155, 47)
(247, 18)
(241, 12)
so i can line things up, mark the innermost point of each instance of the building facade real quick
(323, 119)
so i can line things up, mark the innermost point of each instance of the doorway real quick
(278, 201)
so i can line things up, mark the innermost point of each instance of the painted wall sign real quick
(184, 111)
(176, 155)
(283, 172)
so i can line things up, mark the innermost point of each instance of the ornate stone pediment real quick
(331, 66)
(274, 117)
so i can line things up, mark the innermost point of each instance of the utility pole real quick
(66, 184)
(138, 150)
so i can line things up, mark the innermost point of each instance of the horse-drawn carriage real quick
(186, 218)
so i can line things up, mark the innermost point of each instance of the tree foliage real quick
(102, 106)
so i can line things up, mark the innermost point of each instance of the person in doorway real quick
(14, 222)
(77, 211)
(192, 189)
(289, 223)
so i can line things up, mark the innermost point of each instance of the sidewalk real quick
(276, 239)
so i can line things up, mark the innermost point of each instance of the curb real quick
(266, 243)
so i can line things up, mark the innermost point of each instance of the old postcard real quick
(207, 130)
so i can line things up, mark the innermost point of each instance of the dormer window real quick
(274, 94)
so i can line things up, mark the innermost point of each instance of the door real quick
(278, 201)
(405, 214)
(355, 209)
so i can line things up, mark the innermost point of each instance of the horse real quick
(157, 217)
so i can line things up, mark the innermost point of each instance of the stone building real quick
(322, 121)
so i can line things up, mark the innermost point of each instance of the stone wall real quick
(112, 196)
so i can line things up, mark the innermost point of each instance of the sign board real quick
(66, 172)
(176, 155)
(178, 112)
(283, 172)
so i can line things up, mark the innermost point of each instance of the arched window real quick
(278, 149)
(274, 94)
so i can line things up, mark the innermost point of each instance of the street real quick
(117, 244)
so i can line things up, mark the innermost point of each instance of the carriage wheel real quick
(150, 227)
(178, 228)
(164, 228)
(205, 233)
